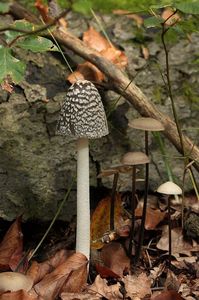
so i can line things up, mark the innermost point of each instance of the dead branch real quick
(118, 82)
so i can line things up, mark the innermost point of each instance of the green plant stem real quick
(33, 32)
(159, 140)
(164, 31)
(53, 220)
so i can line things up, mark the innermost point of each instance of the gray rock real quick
(37, 167)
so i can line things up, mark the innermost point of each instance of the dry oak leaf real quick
(179, 245)
(114, 257)
(99, 43)
(51, 285)
(116, 56)
(37, 271)
(145, 52)
(80, 296)
(18, 295)
(11, 247)
(137, 286)
(43, 10)
(95, 40)
(167, 12)
(6, 86)
(168, 295)
(76, 281)
(86, 71)
(153, 216)
(100, 220)
(138, 19)
(111, 292)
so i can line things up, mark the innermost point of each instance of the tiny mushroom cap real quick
(147, 124)
(114, 170)
(135, 158)
(13, 281)
(82, 113)
(169, 188)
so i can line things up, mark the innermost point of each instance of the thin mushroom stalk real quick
(169, 188)
(146, 124)
(112, 206)
(83, 207)
(133, 159)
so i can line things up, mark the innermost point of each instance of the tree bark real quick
(120, 83)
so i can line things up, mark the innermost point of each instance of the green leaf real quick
(161, 5)
(188, 7)
(82, 6)
(153, 22)
(20, 24)
(10, 66)
(37, 44)
(4, 7)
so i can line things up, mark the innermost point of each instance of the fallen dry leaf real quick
(76, 281)
(11, 247)
(172, 282)
(19, 295)
(100, 220)
(50, 286)
(179, 245)
(116, 56)
(111, 292)
(6, 86)
(86, 71)
(114, 257)
(153, 216)
(138, 19)
(37, 271)
(156, 272)
(43, 10)
(137, 286)
(81, 296)
(95, 40)
(105, 272)
(168, 295)
(145, 52)
(167, 12)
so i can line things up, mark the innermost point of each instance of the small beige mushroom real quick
(169, 188)
(133, 159)
(14, 281)
(147, 124)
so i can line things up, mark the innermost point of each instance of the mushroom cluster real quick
(147, 125)
(82, 116)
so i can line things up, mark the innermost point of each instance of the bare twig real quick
(118, 82)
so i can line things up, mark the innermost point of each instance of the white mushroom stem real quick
(83, 198)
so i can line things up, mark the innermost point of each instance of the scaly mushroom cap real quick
(13, 281)
(135, 158)
(82, 113)
(169, 188)
(147, 124)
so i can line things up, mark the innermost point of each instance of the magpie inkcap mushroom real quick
(82, 116)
